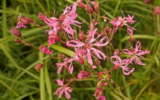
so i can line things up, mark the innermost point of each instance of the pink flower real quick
(102, 98)
(53, 37)
(65, 64)
(45, 50)
(61, 64)
(52, 22)
(88, 46)
(63, 89)
(135, 53)
(80, 54)
(83, 74)
(69, 15)
(119, 22)
(129, 19)
(22, 21)
(98, 94)
(117, 61)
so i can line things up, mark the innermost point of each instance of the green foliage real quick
(20, 81)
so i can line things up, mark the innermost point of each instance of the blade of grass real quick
(42, 84)
(138, 37)
(48, 82)
(25, 95)
(39, 4)
(4, 49)
(63, 50)
(4, 19)
(8, 87)
(24, 34)
(117, 6)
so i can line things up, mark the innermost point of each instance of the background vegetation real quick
(20, 81)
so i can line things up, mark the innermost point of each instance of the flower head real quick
(22, 21)
(88, 46)
(135, 53)
(69, 19)
(63, 89)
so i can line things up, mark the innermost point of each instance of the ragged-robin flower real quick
(119, 22)
(135, 53)
(63, 89)
(22, 21)
(89, 46)
(98, 94)
(45, 50)
(119, 63)
(69, 16)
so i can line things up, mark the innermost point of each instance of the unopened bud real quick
(104, 84)
(89, 8)
(158, 33)
(131, 39)
(57, 38)
(41, 16)
(15, 32)
(106, 29)
(157, 10)
(81, 4)
(97, 61)
(110, 30)
(147, 1)
(116, 52)
(61, 56)
(81, 60)
(38, 67)
(83, 74)
(81, 35)
(96, 7)
(62, 17)
(116, 67)
(17, 41)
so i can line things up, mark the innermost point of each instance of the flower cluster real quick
(89, 47)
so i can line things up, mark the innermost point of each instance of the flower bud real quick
(57, 38)
(147, 1)
(116, 52)
(89, 8)
(61, 56)
(81, 4)
(131, 39)
(116, 67)
(157, 10)
(110, 30)
(106, 29)
(17, 41)
(81, 35)
(158, 33)
(15, 32)
(38, 67)
(83, 74)
(104, 84)
(97, 61)
(81, 60)
(62, 17)
(96, 7)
